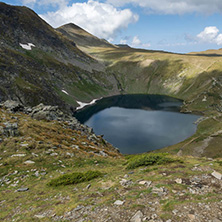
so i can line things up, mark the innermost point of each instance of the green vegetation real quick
(74, 178)
(150, 160)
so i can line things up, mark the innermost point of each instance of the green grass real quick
(150, 160)
(74, 178)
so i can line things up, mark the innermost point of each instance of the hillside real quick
(39, 64)
(52, 168)
(54, 171)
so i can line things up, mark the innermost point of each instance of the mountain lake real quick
(139, 123)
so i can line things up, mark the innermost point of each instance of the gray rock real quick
(29, 162)
(18, 155)
(179, 181)
(126, 183)
(13, 106)
(10, 129)
(159, 191)
(23, 189)
(88, 186)
(119, 202)
(78, 208)
(137, 217)
(39, 216)
(102, 153)
(145, 182)
(217, 175)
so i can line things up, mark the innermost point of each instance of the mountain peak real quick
(81, 37)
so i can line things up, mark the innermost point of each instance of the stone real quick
(78, 208)
(37, 174)
(10, 129)
(175, 212)
(192, 217)
(75, 147)
(145, 182)
(24, 144)
(159, 191)
(18, 155)
(119, 202)
(29, 162)
(13, 106)
(23, 189)
(126, 183)
(39, 216)
(88, 186)
(179, 181)
(217, 175)
(102, 153)
(154, 216)
(137, 217)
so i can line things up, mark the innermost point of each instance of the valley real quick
(52, 168)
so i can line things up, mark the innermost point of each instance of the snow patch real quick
(65, 92)
(27, 46)
(204, 99)
(81, 104)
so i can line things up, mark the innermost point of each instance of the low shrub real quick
(74, 178)
(149, 160)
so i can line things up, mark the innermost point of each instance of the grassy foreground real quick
(86, 186)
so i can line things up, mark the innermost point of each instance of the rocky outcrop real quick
(9, 129)
(52, 113)
(12, 106)
(43, 112)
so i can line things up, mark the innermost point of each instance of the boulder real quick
(137, 217)
(12, 106)
(42, 112)
(10, 129)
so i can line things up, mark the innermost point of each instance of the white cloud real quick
(219, 39)
(210, 35)
(136, 41)
(174, 6)
(123, 41)
(100, 19)
(28, 1)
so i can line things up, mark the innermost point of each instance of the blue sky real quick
(171, 25)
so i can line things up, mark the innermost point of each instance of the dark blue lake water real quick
(139, 123)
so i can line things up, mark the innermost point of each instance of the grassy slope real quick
(38, 141)
(195, 78)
